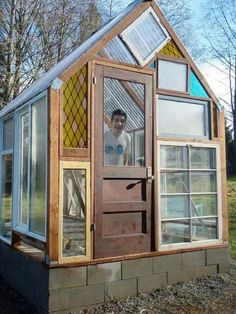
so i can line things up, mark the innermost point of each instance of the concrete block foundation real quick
(68, 289)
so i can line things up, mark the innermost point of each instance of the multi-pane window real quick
(31, 168)
(180, 117)
(6, 178)
(188, 194)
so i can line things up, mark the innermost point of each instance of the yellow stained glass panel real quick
(170, 49)
(75, 110)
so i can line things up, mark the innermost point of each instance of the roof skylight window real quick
(145, 36)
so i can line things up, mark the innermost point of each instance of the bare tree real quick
(220, 47)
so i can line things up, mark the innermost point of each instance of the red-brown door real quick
(123, 182)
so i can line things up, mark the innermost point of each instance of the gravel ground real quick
(212, 294)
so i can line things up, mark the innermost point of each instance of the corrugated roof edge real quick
(47, 79)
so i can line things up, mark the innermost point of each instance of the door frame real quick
(154, 198)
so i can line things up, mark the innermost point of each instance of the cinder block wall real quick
(30, 278)
(68, 289)
(74, 288)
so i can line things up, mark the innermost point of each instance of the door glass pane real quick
(74, 212)
(38, 168)
(174, 206)
(8, 134)
(203, 182)
(204, 205)
(174, 157)
(6, 197)
(203, 158)
(174, 182)
(204, 229)
(24, 173)
(175, 231)
(123, 121)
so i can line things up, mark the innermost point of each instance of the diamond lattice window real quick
(75, 110)
(170, 49)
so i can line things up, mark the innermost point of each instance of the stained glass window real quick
(75, 110)
(196, 87)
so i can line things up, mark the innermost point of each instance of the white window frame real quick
(207, 115)
(3, 153)
(125, 37)
(174, 246)
(24, 229)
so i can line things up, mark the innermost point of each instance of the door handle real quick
(149, 177)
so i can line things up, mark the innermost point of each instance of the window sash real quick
(192, 218)
(17, 225)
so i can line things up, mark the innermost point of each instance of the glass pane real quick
(196, 87)
(123, 120)
(204, 229)
(203, 158)
(6, 197)
(175, 231)
(172, 75)
(116, 50)
(75, 97)
(203, 182)
(8, 129)
(204, 205)
(179, 118)
(24, 167)
(174, 206)
(146, 33)
(174, 182)
(174, 157)
(74, 212)
(38, 167)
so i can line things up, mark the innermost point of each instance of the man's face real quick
(118, 124)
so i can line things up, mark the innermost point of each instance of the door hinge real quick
(94, 80)
(93, 227)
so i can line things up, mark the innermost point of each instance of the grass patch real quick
(232, 215)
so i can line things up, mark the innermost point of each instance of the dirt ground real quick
(213, 294)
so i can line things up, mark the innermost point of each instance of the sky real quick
(216, 79)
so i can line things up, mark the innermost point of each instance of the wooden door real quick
(123, 196)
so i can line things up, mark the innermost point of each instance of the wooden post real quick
(224, 204)
(53, 177)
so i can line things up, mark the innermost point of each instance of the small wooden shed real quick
(75, 231)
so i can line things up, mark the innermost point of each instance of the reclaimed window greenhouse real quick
(189, 202)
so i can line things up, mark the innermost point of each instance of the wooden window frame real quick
(174, 60)
(82, 154)
(208, 119)
(125, 38)
(76, 165)
(203, 243)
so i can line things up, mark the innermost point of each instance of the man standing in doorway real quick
(116, 141)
